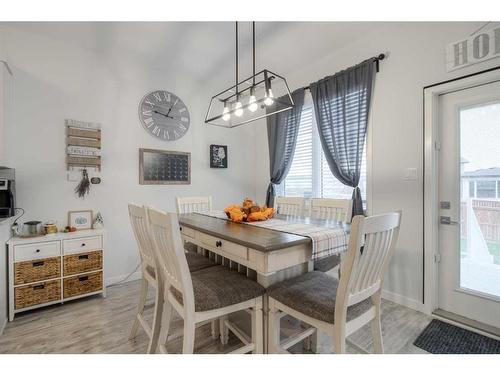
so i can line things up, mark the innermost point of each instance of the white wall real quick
(416, 58)
(54, 81)
(4, 225)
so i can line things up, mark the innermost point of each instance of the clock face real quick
(164, 115)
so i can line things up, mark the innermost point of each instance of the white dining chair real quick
(339, 307)
(187, 205)
(331, 209)
(290, 206)
(200, 296)
(138, 220)
(196, 262)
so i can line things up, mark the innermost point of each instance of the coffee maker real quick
(7, 193)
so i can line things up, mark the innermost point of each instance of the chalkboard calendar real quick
(159, 167)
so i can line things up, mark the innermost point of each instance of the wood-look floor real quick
(101, 325)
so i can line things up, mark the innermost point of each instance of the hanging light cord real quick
(253, 51)
(236, 60)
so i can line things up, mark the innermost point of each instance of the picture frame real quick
(81, 220)
(218, 156)
(162, 167)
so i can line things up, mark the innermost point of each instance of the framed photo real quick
(161, 167)
(218, 156)
(80, 219)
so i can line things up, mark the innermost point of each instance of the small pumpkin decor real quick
(249, 211)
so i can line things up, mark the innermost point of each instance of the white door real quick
(469, 199)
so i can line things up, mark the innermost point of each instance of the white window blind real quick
(298, 182)
(309, 174)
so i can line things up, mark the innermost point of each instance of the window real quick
(486, 189)
(309, 175)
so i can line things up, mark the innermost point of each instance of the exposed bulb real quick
(225, 113)
(269, 98)
(252, 104)
(238, 110)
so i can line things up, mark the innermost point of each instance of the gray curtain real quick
(342, 105)
(282, 130)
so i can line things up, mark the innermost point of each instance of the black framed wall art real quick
(218, 156)
(160, 167)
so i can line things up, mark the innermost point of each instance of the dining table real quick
(265, 255)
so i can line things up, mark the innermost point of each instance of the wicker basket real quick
(83, 284)
(25, 296)
(82, 262)
(37, 270)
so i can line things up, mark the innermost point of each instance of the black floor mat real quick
(443, 338)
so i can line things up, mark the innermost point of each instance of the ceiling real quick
(205, 50)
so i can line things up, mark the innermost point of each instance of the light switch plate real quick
(410, 174)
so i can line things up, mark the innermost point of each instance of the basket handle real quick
(38, 264)
(83, 278)
(83, 256)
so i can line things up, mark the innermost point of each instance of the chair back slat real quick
(371, 244)
(331, 209)
(187, 205)
(169, 253)
(138, 220)
(290, 206)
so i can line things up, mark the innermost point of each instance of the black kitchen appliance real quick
(7, 193)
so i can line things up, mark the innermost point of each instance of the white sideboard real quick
(54, 268)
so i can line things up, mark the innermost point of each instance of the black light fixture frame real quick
(235, 91)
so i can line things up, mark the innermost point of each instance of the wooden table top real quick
(262, 239)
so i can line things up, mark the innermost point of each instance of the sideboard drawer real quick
(37, 270)
(83, 284)
(82, 245)
(36, 251)
(82, 262)
(30, 295)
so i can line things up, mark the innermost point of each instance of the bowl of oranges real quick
(249, 211)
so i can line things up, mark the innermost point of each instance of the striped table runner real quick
(325, 241)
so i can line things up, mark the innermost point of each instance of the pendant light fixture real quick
(263, 94)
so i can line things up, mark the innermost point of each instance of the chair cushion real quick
(198, 262)
(218, 287)
(313, 294)
(327, 263)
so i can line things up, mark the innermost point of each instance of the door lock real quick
(447, 221)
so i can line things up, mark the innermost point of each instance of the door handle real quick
(447, 221)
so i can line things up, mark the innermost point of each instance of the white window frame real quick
(308, 102)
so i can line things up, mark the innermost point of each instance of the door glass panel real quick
(480, 209)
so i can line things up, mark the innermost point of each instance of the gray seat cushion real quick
(327, 263)
(198, 262)
(313, 294)
(218, 287)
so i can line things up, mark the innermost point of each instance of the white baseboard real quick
(2, 326)
(116, 279)
(404, 301)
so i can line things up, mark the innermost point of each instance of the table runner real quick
(325, 241)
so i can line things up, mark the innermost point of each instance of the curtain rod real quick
(376, 59)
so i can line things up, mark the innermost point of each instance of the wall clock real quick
(164, 115)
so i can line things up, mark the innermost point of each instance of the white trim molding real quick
(403, 300)
(431, 188)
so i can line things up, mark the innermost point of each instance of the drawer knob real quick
(218, 243)
(37, 250)
(83, 244)
(180, 228)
